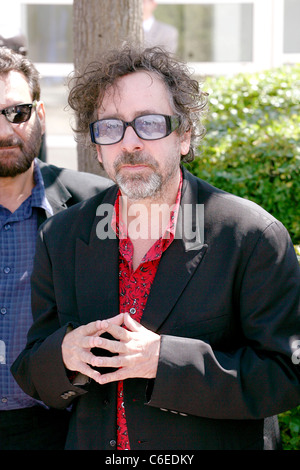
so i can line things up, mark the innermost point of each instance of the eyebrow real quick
(16, 104)
(138, 114)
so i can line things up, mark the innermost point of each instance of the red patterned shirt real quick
(134, 289)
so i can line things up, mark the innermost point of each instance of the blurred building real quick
(214, 37)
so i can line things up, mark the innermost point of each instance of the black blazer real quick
(227, 310)
(65, 187)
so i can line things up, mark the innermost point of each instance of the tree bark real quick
(99, 25)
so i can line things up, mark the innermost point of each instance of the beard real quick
(144, 184)
(17, 161)
(138, 186)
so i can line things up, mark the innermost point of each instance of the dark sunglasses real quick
(148, 127)
(18, 113)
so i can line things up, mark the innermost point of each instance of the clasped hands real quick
(135, 347)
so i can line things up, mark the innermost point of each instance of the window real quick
(211, 32)
(231, 36)
(49, 33)
(291, 37)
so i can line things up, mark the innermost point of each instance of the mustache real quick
(10, 143)
(136, 158)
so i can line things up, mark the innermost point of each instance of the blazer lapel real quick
(175, 269)
(56, 193)
(96, 271)
(97, 280)
(180, 260)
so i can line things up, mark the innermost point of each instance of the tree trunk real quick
(99, 25)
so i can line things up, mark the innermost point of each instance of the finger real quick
(90, 329)
(131, 324)
(95, 327)
(116, 347)
(84, 364)
(75, 340)
(90, 342)
(93, 374)
(119, 374)
(116, 320)
(117, 331)
(122, 373)
(114, 362)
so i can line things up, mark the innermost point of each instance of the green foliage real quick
(252, 146)
(289, 423)
(252, 149)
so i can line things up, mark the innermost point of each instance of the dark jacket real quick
(227, 310)
(65, 187)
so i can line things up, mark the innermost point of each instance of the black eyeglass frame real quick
(9, 109)
(172, 123)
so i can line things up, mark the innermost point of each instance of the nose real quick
(131, 141)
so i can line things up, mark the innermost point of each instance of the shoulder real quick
(80, 185)
(79, 218)
(240, 226)
(223, 209)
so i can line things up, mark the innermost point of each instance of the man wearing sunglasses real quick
(188, 339)
(30, 192)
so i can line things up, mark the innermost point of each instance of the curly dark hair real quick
(88, 88)
(13, 61)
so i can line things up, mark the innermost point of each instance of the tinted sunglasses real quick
(18, 113)
(147, 127)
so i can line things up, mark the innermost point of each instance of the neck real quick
(15, 190)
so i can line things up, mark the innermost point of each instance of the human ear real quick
(99, 156)
(40, 112)
(185, 142)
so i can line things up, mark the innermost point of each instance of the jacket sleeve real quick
(261, 376)
(39, 369)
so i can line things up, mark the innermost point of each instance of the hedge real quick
(252, 146)
(252, 149)
(289, 423)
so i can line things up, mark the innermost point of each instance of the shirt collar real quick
(38, 195)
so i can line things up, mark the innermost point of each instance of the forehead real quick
(134, 93)
(14, 88)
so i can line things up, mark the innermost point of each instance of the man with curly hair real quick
(185, 340)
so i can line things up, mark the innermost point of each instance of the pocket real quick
(200, 329)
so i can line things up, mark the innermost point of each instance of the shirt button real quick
(132, 311)
(7, 227)
(4, 400)
(6, 270)
(112, 443)
(3, 311)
